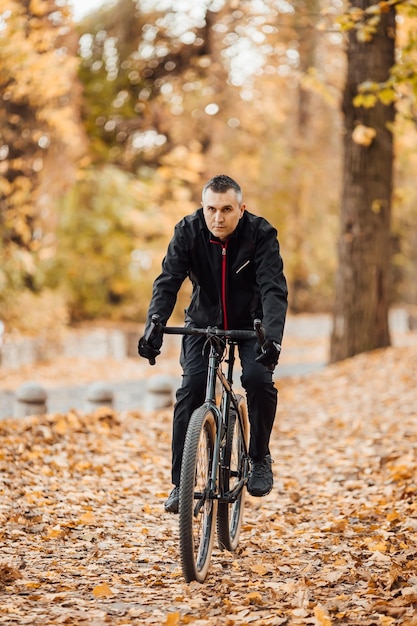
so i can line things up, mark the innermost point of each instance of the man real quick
(233, 260)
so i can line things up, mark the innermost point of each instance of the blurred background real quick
(115, 114)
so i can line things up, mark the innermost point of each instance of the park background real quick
(111, 125)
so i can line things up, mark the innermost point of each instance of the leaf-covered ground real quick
(84, 539)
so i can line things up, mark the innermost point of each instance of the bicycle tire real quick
(230, 514)
(197, 514)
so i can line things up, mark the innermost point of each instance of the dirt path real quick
(84, 539)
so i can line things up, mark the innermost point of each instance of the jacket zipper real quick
(224, 267)
(224, 275)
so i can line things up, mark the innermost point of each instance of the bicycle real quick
(215, 463)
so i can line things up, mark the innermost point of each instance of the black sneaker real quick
(172, 503)
(260, 478)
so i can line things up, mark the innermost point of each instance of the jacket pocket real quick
(239, 269)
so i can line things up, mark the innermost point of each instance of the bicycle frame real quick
(221, 411)
(222, 414)
(214, 370)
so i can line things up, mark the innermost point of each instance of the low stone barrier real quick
(158, 393)
(97, 343)
(99, 394)
(30, 399)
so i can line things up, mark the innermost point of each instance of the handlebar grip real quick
(153, 328)
(152, 331)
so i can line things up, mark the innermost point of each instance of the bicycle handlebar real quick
(211, 331)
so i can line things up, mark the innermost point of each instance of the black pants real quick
(257, 381)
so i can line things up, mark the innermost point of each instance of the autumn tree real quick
(39, 131)
(362, 292)
(134, 64)
(313, 149)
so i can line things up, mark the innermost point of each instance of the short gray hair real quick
(221, 184)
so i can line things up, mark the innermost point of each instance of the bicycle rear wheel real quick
(234, 470)
(197, 511)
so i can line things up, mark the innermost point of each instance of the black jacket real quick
(233, 283)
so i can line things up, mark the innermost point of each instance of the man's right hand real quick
(269, 354)
(147, 350)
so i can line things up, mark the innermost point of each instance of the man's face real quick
(222, 212)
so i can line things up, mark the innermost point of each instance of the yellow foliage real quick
(387, 96)
(39, 7)
(5, 186)
(365, 33)
(37, 74)
(367, 101)
(363, 135)
(21, 186)
(311, 80)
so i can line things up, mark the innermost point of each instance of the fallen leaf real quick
(172, 619)
(8, 574)
(260, 569)
(102, 591)
(88, 519)
(253, 598)
(321, 616)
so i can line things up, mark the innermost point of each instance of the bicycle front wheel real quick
(234, 471)
(197, 511)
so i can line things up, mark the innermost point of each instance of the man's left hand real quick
(269, 353)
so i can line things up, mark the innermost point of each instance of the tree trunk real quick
(361, 306)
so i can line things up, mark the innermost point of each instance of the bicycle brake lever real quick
(260, 333)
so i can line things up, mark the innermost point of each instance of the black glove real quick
(269, 353)
(147, 350)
